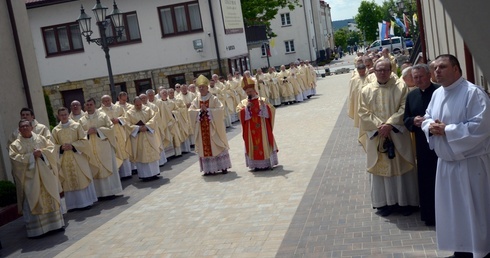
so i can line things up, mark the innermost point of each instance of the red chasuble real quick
(252, 131)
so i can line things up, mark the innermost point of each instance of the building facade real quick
(21, 84)
(164, 43)
(448, 30)
(301, 34)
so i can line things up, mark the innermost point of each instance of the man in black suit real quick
(415, 106)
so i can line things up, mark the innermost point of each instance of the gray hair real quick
(424, 67)
(150, 91)
(407, 71)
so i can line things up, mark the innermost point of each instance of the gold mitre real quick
(247, 82)
(202, 80)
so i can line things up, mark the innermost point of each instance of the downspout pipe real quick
(20, 56)
(215, 38)
(307, 31)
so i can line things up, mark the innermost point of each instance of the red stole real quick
(205, 131)
(252, 129)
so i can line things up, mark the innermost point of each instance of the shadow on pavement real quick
(277, 171)
(222, 178)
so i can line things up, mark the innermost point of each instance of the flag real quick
(407, 24)
(380, 30)
(384, 32)
(400, 23)
(391, 29)
(414, 19)
(272, 44)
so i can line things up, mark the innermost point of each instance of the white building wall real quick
(13, 97)
(153, 51)
(441, 35)
(297, 31)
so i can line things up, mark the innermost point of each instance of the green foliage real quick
(8, 194)
(260, 12)
(353, 37)
(49, 109)
(369, 14)
(340, 38)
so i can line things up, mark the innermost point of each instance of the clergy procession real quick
(85, 157)
(427, 143)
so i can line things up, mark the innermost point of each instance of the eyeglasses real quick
(380, 71)
(177, 87)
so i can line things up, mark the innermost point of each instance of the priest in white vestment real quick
(145, 140)
(100, 133)
(34, 166)
(206, 113)
(392, 167)
(123, 101)
(116, 114)
(356, 83)
(457, 126)
(75, 152)
(37, 128)
(76, 111)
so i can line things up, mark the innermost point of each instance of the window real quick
(131, 32)
(180, 19)
(118, 87)
(285, 19)
(71, 95)
(142, 85)
(289, 46)
(62, 39)
(206, 73)
(176, 78)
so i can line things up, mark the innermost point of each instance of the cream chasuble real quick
(355, 84)
(102, 143)
(218, 140)
(75, 173)
(385, 103)
(123, 144)
(146, 146)
(37, 178)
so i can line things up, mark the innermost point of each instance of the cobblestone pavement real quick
(316, 203)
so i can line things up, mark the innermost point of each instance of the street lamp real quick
(117, 20)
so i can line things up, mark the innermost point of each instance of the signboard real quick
(232, 16)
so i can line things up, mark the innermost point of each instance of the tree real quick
(260, 12)
(353, 38)
(369, 14)
(340, 38)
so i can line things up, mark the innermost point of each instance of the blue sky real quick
(345, 9)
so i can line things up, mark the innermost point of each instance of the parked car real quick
(395, 44)
(408, 43)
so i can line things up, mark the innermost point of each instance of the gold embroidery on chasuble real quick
(46, 203)
(68, 162)
(205, 132)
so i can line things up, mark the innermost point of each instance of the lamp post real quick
(268, 32)
(267, 50)
(104, 41)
